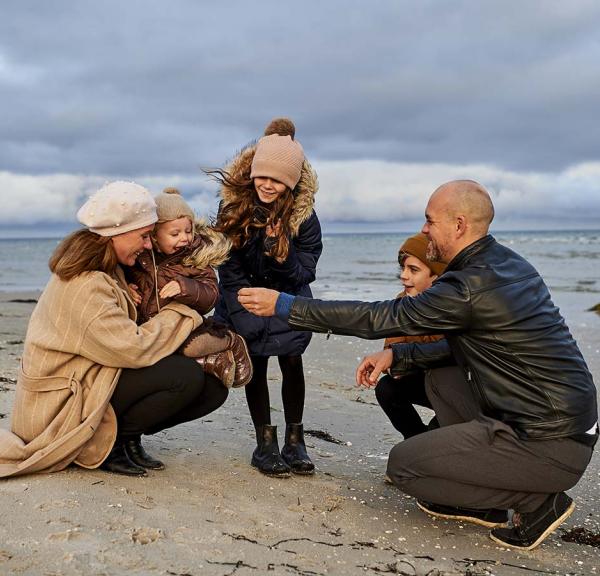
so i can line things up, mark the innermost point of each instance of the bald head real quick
(458, 214)
(469, 199)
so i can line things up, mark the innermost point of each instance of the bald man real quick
(516, 404)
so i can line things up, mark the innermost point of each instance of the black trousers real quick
(397, 397)
(478, 462)
(172, 391)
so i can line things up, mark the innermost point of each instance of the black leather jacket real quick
(502, 329)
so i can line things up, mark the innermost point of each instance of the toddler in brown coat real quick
(180, 268)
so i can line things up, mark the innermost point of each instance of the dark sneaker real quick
(531, 529)
(488, 518)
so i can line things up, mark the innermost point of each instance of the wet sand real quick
(210, 513)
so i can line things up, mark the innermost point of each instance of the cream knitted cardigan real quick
(81, 334)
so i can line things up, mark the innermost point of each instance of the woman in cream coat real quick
(91, 380)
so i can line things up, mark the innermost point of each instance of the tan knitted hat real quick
(170, 205)
(417, 246)
(278, 155)
(118, 207)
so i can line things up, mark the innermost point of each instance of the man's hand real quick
(259, 301)
(170, 289)
(372, 366)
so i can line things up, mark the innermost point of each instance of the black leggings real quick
(397, 397)
(292, 390)
(172, 391)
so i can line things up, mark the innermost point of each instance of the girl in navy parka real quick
(267, 212)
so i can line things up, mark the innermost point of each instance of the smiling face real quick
(439, 228)
(129, 245)
(173, 235)
(415, 275)
(268, 190)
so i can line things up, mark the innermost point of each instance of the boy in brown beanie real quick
(397, 396)
(180, 268)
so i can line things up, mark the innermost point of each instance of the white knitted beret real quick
(118, 207)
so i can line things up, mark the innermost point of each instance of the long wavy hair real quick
(245, 215)
(83, 251)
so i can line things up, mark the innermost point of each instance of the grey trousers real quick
(474, 461)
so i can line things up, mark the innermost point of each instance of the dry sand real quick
(210, 513)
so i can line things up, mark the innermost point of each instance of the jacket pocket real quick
(46, 407)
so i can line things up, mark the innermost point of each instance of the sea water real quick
(365, 266)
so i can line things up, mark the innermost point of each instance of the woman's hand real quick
(259, 301)
(170, 289)
(134, 292)
(372, 366)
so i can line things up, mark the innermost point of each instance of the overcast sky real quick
(390, 98)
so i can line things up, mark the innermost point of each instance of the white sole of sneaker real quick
(544, 534)
(469, 519)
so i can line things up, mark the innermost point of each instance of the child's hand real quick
(372, 366)
(135, 294)
(170, 289)
(273, 230)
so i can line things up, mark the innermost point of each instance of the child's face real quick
(268, 190)
(416, 276)
(173, 235)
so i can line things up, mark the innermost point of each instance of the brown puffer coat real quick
(191, 267)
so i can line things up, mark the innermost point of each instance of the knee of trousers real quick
(384, 391)
(402, 464)
(188, 377)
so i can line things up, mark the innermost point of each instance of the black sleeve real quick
(412, 356)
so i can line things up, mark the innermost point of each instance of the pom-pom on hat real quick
(278, 155)
(118, 207)
(170, 205)
(417, 246)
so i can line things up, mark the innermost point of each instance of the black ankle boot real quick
(137, 454)
(294, 450)
(266, 456)
(118, 461)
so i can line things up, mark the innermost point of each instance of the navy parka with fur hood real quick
(249, 266)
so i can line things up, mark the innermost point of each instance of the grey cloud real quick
(148, 87)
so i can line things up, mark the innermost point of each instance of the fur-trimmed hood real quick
(304, 193)
(212, 251)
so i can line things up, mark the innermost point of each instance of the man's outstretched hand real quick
(259, 301)
(372, 366)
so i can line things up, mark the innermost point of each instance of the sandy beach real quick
(210, 513)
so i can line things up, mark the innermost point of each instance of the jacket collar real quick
(458, 262)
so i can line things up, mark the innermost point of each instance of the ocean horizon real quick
(364, 266)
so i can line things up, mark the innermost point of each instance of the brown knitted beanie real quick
(278, 155)
(170, 205)
(417, 246)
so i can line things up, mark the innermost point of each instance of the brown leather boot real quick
(243, 363)
(221, 365)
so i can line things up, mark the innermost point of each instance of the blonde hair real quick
(83, 251)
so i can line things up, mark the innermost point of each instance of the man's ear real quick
(460, 226)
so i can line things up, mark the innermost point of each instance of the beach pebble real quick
(146, 535)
